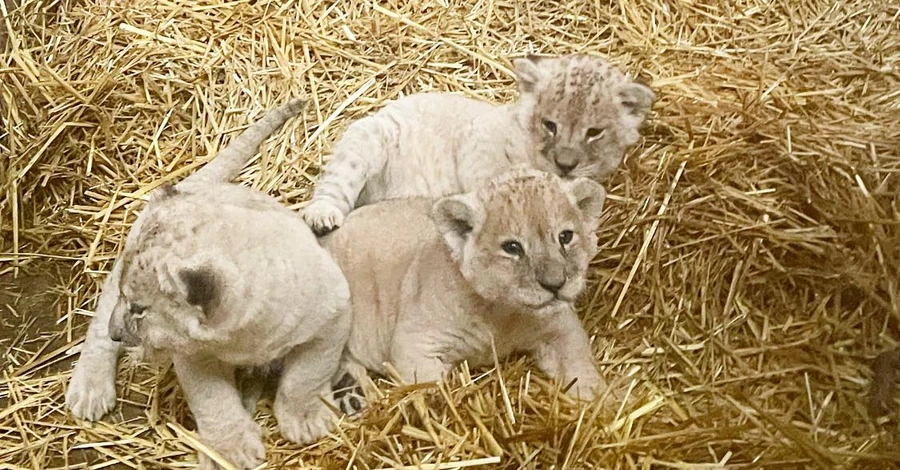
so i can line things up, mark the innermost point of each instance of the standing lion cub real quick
(575, 116)
(434, 284)
(221, 278)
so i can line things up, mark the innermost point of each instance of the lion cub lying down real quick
(433, 284)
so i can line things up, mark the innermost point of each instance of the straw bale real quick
(750, 253)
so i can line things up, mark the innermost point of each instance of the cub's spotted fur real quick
(575, 117)
(433, 284)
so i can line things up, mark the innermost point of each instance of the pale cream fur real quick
(575, 117)
(432, 284)
(223, 277)
(264, 267)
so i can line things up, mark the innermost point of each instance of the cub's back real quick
(227, 216)
(420, 135)
(268, 243)
(375, 248)
(382, 237)
(439, 111)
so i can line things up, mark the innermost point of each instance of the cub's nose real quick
(566, 160)
(565, 167)
(553, 286)
(115, 334)
(551, 277)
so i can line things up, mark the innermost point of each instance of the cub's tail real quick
(227, 164)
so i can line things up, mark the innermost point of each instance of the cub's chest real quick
(258, 345)
(258, 356)
(477, 339)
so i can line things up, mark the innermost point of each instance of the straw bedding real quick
(749, 264)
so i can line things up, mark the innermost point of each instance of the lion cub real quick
(218, 277)
(223, 277)
(575, 116)
(436, 283)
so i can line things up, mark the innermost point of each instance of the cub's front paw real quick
(587, 387)
(241, 444)
(307, 426)
(322, 217)
(92, 390)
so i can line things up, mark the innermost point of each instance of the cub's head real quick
(582, 111)
(525, 239)
(166, 301)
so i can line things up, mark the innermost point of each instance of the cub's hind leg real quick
(305, 398)
(416, 360)
(222, 422)
(360, 155)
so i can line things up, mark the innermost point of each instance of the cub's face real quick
(526, 239)
(163, 303)
(157, 310)
(582, 113)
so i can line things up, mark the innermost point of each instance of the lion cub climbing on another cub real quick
(575, 116)
(434, 284)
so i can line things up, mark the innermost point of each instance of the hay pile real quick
(750, 254)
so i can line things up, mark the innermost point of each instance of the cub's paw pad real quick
(91, 394)
(349, 395)
(322, 217)
(351, 402)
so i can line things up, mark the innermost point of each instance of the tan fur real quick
(431, 284)
(575, 117)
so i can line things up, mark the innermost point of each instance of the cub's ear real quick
(455, 217)
(528, 73)
(201, 287)
(636, 99)
(165, 191)
(588, 196)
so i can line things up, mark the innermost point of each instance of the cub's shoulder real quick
(393, 221)
(215, 194)
(439, 101)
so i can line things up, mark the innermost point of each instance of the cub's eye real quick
(549, 125)
(594, 133)
(565, 237)
(513, 247)
(136, 310)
